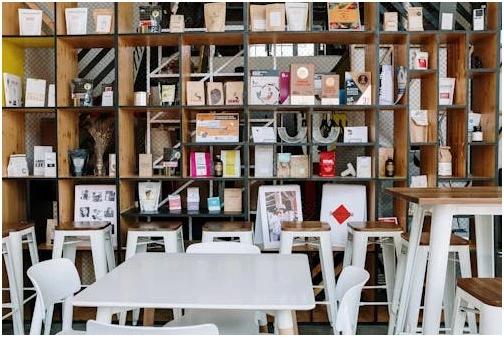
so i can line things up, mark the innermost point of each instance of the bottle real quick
(218, 166)
(477, 134)
(389, 167)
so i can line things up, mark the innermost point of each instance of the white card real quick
(446, 21)
(76, 20)
(35, 92)
(51, 94)
(39, 159)
(50, 164)
(30, 21)
(103, 23)
(263, 134)
(263, 163)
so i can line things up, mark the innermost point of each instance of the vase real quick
(99, 167)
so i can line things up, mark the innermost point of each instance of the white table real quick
(443, 203)
(266, 282)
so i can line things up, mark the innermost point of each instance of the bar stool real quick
(68, 235)
(227, 229)
(141, 234)
(389, 238)
(485, 295)
(13, 305)
(20, 233)
(458, 246)
(321, 231)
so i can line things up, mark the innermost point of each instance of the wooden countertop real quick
(451, 195)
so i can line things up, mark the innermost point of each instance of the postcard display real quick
(221, 119)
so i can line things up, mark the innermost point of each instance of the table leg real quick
(442, 217)
(404, 274)
(148, 317)
(485, 245)
(104, 315)
(285, 322)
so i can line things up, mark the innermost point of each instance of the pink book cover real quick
(200, 164)
(284, 86)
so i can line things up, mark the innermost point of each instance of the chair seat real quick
(71, 332)
(374, 226)
(455, 240)
(229, 322)
(487, 290)
(228, 226)
(82, 226)
(305, 226)
(156, 226)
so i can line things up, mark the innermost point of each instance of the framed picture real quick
(276, 204)
(96, 203)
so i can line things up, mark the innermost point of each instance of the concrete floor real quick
(304, 329)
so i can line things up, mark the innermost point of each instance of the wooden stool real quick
(484, 294)
(100, 236)
(389, 236)
(20, 233)
(321, 231)
(227, 229)
(459, 247)
(140, 235)
(14, 304)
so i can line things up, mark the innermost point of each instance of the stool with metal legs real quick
(14, 304)
(242, 230)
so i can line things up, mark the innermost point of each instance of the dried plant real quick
(102, 130)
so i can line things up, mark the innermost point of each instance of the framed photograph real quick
(276, 204)
(96, 203)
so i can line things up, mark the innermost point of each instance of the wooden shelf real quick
(88, 41)
(415, 73)
(164, 212)
(29, 41)
(324, 37)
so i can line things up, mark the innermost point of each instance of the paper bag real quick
(215, 17)
(419, 123)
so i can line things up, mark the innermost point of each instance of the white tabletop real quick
(209, 281)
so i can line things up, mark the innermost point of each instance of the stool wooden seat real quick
(375, 226)
(487, 290)
(455, 240)
(82, 225)
(156, 226)
(228, 226)
(305, 226)
(8, 228)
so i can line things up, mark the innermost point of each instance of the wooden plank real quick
(448, 195)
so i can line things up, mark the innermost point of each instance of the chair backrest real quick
(96, 328)
(54, 280)
(348, 294)
(222, 248)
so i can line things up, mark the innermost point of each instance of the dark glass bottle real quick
(218, 166)
(389, 167)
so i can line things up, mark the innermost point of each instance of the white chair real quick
(227, 229)
(13, 305)
(229, 322)
(95, 328)
(483, 294)
(141, 234)
(348, 293)
(55, 281)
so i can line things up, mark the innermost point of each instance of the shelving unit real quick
(472, 162)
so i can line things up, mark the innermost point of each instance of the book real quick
(193, 198)
(263, 162)
(390, 22)
(213, 204)
(275, 17)
(145, 165)
(231, 163)
(329, 94)
(358, 88)
(174, 203)
(234, 92)
(232, 200)
(215, 93)
(302, 88)
(35, 92)
(299, 166)
(30, 21)
(415, 19)
(264, 87)
(76, 20)
(446, 90)
(343, 16)
(148, 195)
(257, 18)
(167, 94)
(195, 93)
(39, 159)
(200, 164)
(50, 164)
(12, 90)
(217, 127)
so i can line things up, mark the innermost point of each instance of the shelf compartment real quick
(483, 161)
(456, 63)
(428, 163)
(486, 104)
(456, 139)
(10, 24)
(416, 73)
(425, 41)
(400, 131)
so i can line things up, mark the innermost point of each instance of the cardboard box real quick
(302, 84)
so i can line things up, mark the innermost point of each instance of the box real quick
(421, 60)
(275, 17)
(263, 161)
(145, 165)
(444, 161)
(39, 159)
(230, 163)
(284, 87)
(364, 167)
(343, 16)
(446, 90)
(302, 89)
(358, 88)
(329, 94)
(174, 203)
(50, 164)
(217, 127)
(215, 93)
(234, 93)
(415, 19)
(390, 22)
(419, 123)
(195, 93)
(299, 166)
(232, 200)
(264, 87)
(193, 198)
(283, 165)
(35, 92)
(327, 164)
(200, 164)
(213, 204)
(355, 134)
(257, 18)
